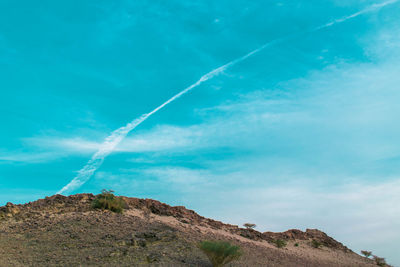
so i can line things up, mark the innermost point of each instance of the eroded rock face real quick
(190, 217)
(59, 204)
(9, 210)
(82, 202)
(54, 204)
(67, 231)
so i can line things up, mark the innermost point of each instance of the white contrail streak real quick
(118, 135)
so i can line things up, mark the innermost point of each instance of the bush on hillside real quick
(366, 253)
(316, 243)
(249, 225)
(219, 252)
(379, 261)
(279, 243)
(108, 201)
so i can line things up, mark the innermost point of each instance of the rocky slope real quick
(66, 231)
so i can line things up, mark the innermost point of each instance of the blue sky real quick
(303, 134)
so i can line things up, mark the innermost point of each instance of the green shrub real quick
(249, 225)
(379, 261)
(366, 253)
(219, 252)
(316, 243)
(279, 243)
(107, 201)
(296, 244)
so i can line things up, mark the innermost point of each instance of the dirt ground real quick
(67, 232)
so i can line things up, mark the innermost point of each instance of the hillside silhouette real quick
(69, 231)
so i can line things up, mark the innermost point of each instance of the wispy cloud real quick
(29, 157)
(118, 135)
(360, 215)
(351, 107)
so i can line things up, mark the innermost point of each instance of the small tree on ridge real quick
(366, 253)
(108, 201)
(249, 225)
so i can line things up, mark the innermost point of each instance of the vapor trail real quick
(118, 135)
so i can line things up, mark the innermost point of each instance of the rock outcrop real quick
(60, 230)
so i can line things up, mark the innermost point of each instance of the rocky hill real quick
(67, 231)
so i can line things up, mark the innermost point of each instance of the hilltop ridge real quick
(66, 230)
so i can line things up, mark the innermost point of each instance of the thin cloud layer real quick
(347, 107)
(118, 135)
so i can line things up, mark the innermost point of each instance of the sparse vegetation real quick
(40, 233)
(316, 243)
(366, 253)
(379, 261)
(219, 252)
(108, 201)
(279, 243)
(249, 225)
